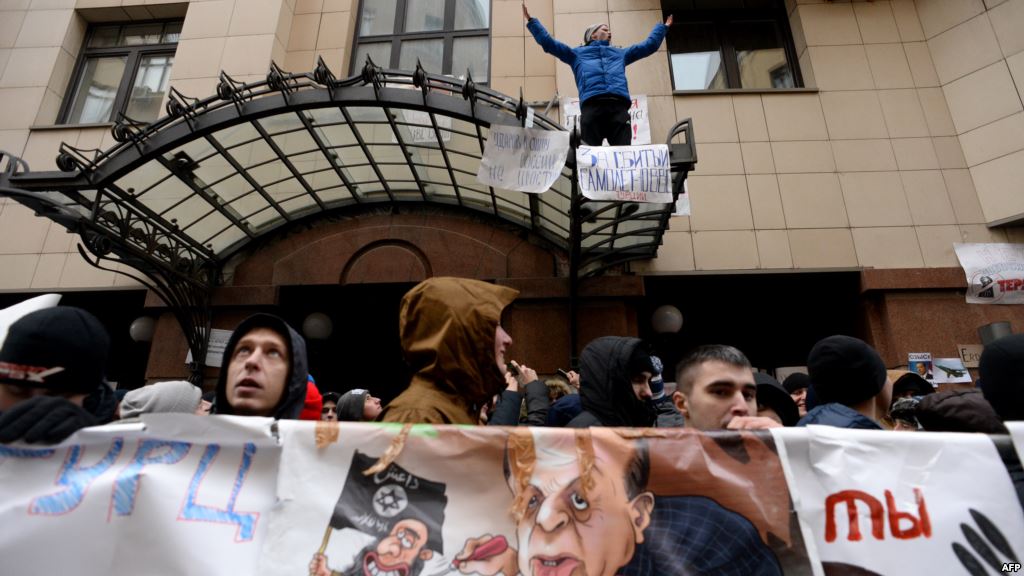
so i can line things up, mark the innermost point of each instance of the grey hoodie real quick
(174, 396)
(294, 396)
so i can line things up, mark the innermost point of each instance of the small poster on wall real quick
(921, 362)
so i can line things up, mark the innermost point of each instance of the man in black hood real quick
(615, 376)
(264, 371)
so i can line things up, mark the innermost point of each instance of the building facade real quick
(844, 147)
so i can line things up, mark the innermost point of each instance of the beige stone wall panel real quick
(922, 69)
(766, 202)
(802, 157)
(875, 199)
(887, 247)
(889, 67)
(841, 67)
(732, 250)
(750, 120)
(963, 196)
(876, 22)
(853, 115)
(719, 203)
(966, 48)
(714, 115)
(998, 183)
(822, 249)
(982, 97)
(927, 197)
(915, 154)
(907, 22)
(1008, 22)
(904, 116)
(937, 245)
(794, 117)
(773, 249)
(863, 155)
(757, 158)
(813, 201)
(829, 24)
(994, 140)
(937, 16)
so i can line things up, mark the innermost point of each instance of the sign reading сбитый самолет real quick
(625, 173)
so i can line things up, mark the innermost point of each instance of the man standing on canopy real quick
(600, 72)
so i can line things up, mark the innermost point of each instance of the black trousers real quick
(606, 117)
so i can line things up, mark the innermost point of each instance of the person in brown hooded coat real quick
(453, 341)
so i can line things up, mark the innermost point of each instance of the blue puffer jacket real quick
(840, 416)
(600, 69)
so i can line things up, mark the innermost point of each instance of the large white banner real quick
(638, 117)
(185, 495)
(625, 173)
(182, 494)
(902, 502)
(523, 159)
(995, 272)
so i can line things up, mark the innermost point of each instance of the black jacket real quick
(958, 411)
(294, 396)
(506, 413)
(605, 388)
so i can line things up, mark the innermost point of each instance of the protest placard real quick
(523, 159)
(625, 173)
(995, 272)
(214, 348)
(184, 494)
(970, 354)
(879, 502)
(638, 117)
(950, 371)
(921, 363)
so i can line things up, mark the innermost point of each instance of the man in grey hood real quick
(264, 370)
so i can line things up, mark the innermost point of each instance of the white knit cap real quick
(172, 396)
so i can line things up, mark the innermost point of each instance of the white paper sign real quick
(215, 348)
(950, 371)
(625, 173)
(523, 159)
(995, 272)
(423, 131)
(894, 503)
(638, 117)
(970, 354)
(175, 494)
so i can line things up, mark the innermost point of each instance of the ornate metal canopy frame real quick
(175, 199)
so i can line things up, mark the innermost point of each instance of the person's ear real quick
(680, 400)
(426, 554)
(640, 514)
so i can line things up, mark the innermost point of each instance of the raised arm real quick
(648, 46)
(549, 44)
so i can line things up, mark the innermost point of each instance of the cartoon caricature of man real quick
(582, 508)
(404, 512)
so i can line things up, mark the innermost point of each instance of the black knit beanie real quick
(1001, 374)
(846, 370)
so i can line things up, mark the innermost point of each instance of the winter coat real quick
(605, 387)
(840, 416)
(294, 397)
(447, 328)
(599, 69)
(564, 410)
(668, 415)
(958, 411)
(506, 413)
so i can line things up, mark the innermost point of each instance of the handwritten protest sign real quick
(183, 494)
(421, 131)
(995, 272)
(638, 118)
(523, 159)
(625, 173)
(881, 502)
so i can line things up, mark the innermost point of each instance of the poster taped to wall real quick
(995, 272)
(638, 117)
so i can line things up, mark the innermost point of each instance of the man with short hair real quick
(51, 360)
(850, 383)
(329, 412)
(264, 371)
(717, 391)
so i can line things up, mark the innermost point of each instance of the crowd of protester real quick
(52, 380)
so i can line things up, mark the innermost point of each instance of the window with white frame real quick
(122, 69)
(446, 36)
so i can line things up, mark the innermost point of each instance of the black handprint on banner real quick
(982, 545)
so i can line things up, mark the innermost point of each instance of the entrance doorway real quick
(363, 350)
